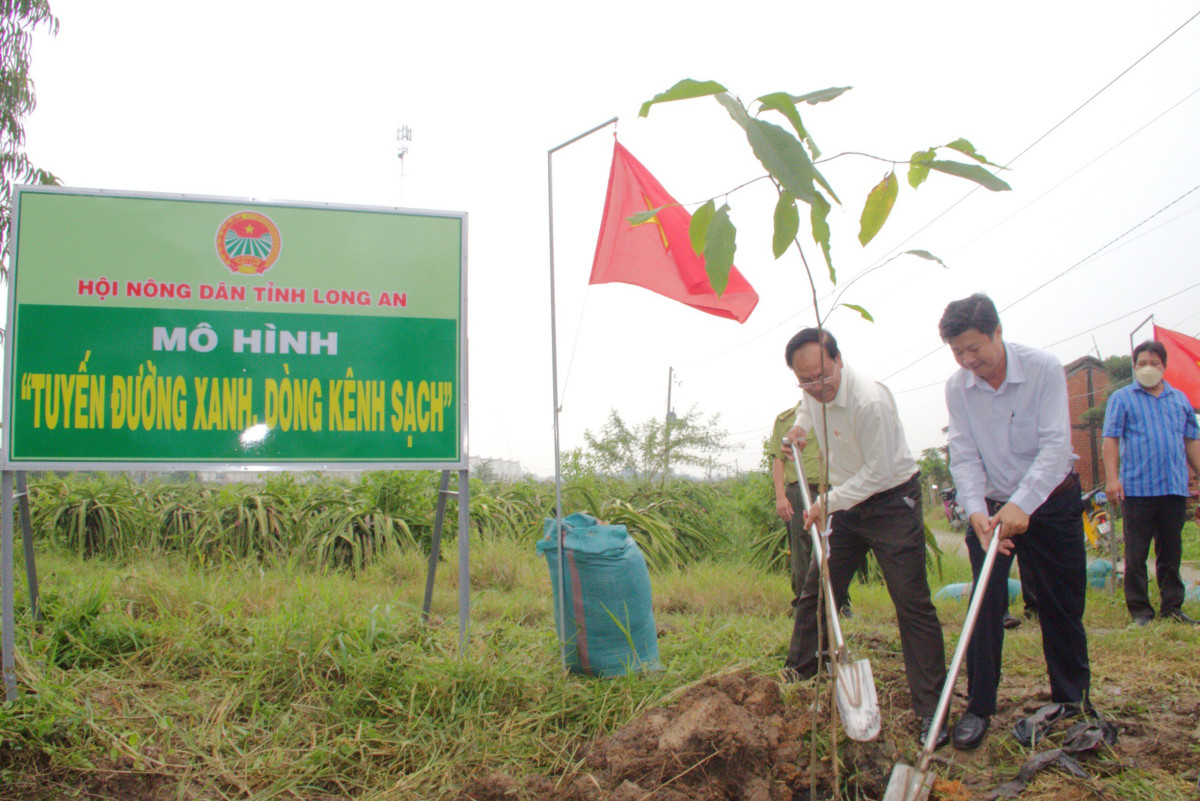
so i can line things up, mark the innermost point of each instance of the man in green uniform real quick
(788, 503)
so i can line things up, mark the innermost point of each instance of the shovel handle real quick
(819, 554)
(939, 716)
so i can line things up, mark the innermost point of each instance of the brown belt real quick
(1071, 481)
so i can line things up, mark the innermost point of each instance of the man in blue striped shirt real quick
(1150, 438)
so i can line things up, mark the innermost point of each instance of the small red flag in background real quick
(658, 254)
(1183, 363)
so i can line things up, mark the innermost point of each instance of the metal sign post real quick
(7, 622)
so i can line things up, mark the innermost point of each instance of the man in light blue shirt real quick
(1011, 458)
(1150, 437)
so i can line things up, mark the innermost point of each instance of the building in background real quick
(1087, 394)
(496, 469)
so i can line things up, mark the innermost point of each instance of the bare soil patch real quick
(743, 737)
(735, 737)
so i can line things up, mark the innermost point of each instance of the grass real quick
(171, 680)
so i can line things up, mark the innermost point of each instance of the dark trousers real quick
(1054, 563)
(800, 545)
(890, 525)
(799, 542)
(1158, 519)
(1027, 594)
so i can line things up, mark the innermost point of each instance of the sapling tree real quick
(791, 159)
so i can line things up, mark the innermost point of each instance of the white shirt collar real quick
(1014, 373)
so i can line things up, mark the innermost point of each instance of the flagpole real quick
(562, 601)
(1134, 331)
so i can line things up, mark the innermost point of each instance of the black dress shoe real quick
(1011, 622)
(969, 731)
(1178, 616)
(943, 735)
(1141, 620)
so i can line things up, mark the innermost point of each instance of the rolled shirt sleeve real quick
(1114, 416)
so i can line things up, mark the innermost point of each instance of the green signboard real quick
(165, 330)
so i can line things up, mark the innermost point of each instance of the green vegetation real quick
(335, 523)
(264, 642)
(652, 449)
(18, 20)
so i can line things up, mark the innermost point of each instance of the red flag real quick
(658, 254)
(1183, 363)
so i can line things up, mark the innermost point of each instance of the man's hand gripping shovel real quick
(854, 684)
(914, 784)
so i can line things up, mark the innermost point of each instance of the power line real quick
(891, 253)
(1065, 339)
(1123, 316)
(1176, 105)
(1106, 86)
(1056, 277)
(1035, 142)
(1101, 248)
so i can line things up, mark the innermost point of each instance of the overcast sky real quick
(273, 100)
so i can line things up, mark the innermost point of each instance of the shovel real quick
(858, 705)
(914, 784)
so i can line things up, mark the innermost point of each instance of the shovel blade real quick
(908, 784)
(858, 705)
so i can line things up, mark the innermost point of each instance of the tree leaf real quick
(877, 208)
(780, 152)
(784, 157)
(684, 90)
(925, 254)
(644, 216)
(698, 228)
(735, 109)
(823, 96)
(918, 167)
(719, 247)
(967, 149)
(787, 223)
(866, 314)
(783, 103)
(972, 172)
(820, 230)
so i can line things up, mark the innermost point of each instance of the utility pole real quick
(667, 428)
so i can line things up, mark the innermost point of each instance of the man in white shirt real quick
(1011, 458)
(875, 505)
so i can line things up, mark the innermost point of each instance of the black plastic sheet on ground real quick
(1085, 736)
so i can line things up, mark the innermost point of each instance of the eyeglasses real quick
(817, 382)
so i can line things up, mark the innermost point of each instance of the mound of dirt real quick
(742, 737)
(730, 737)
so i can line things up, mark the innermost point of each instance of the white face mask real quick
(1148, 376)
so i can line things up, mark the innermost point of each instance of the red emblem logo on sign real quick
(248, 243)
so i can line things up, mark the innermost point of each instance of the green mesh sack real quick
(608, 627)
